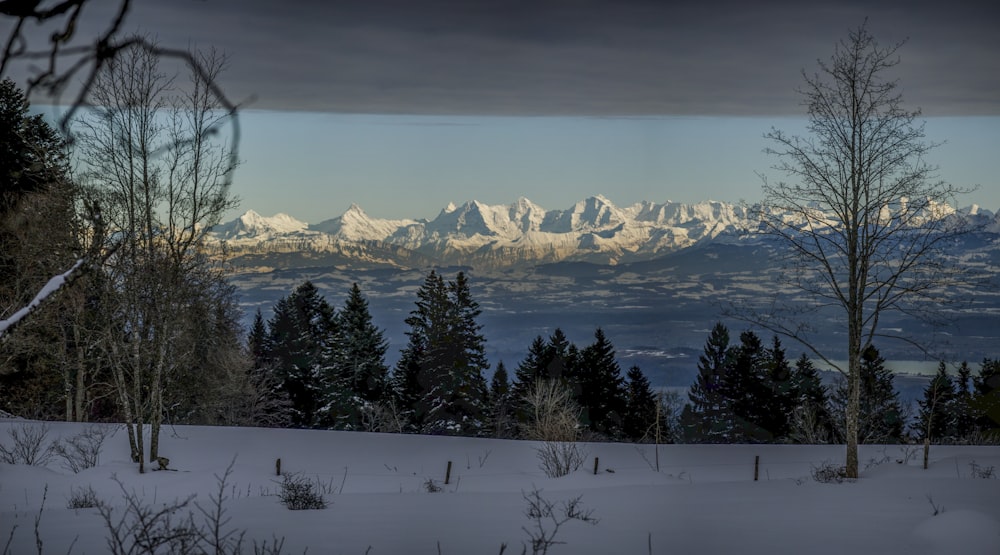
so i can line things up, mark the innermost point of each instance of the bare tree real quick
(45, 37)
(862, 212)
(148, 157)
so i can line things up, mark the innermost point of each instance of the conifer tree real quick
(936, 419)
(881, 415)
(445, 359)
(299, 331)
(501, 421)
(986, 397)
(747, 391)
(356, 360)
(964, 419)
(601, 394)
(640, 407)
(811, 421)
(708, 418)
(782, 392)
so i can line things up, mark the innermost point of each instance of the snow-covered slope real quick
(702, 499)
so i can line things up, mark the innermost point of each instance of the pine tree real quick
(531, 369)
(783, 395)
(299, 331)
(501, 420)
(964, 419)
(414, 379)
(640, 407)
(356, 361)
(441, 369)
(747, 391)
(986, 397)
(881, 415)
(811, 421)
(601, 393)
(708, 419)
(936, 419)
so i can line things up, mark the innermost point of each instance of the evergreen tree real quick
(356, 361)
(881, 415)
(445, 359)
(640, 407)
(257, 340)
(747, 391)
(501, 421)
(534, 367)
(811, 421)
(986, 397)
(601, 393)
(936, 419)
(299, 331)
(964, 419)
(708, 419)
(413, 380)
(783, 394)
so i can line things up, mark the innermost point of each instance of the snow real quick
(50, 287)
(703, 499)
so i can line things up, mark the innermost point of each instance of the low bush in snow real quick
(28, 445)
(300, 493)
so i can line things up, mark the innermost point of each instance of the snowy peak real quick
(252, 224)
(356, 225)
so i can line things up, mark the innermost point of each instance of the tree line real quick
(749, 392)
(326, 369)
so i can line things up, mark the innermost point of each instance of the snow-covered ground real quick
(703, 499)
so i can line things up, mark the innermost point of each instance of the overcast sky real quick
(402, 106)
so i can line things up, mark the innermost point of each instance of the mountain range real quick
(494, 237)
(652, 276)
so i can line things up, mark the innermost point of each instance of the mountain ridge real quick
(519, 234)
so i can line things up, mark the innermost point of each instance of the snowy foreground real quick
(703, 500)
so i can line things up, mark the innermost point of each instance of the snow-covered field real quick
(703, 499)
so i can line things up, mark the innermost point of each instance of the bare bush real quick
(547, 520)
(829, 473)
(300, 493)
(28, 445)
(553, 415)
(83, 498)
(984, 472)
(83, 450)
(559, 458)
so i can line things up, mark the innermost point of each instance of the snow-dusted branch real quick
(51, 288)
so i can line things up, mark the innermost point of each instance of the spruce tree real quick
(299, 331)
(964, 419)
(936, 419)
(708, 419)
(811, 421)
(881, 415)
(601, 393)
(357, 374)
(783, 394)
(501, 419)
(640, 407)
(440, 374)
(986, 397)
(747, 391)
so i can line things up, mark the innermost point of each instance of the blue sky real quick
(315, 165)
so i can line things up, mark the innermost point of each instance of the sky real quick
(402, 107)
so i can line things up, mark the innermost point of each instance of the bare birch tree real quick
(862, 212)
(149, 156)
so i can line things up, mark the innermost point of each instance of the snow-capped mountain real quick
(513, 235)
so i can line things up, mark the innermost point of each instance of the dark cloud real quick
(580, 57)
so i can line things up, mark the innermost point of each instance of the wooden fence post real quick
(595, 466)
(277, 467)
(756, 467)
(447, 474)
